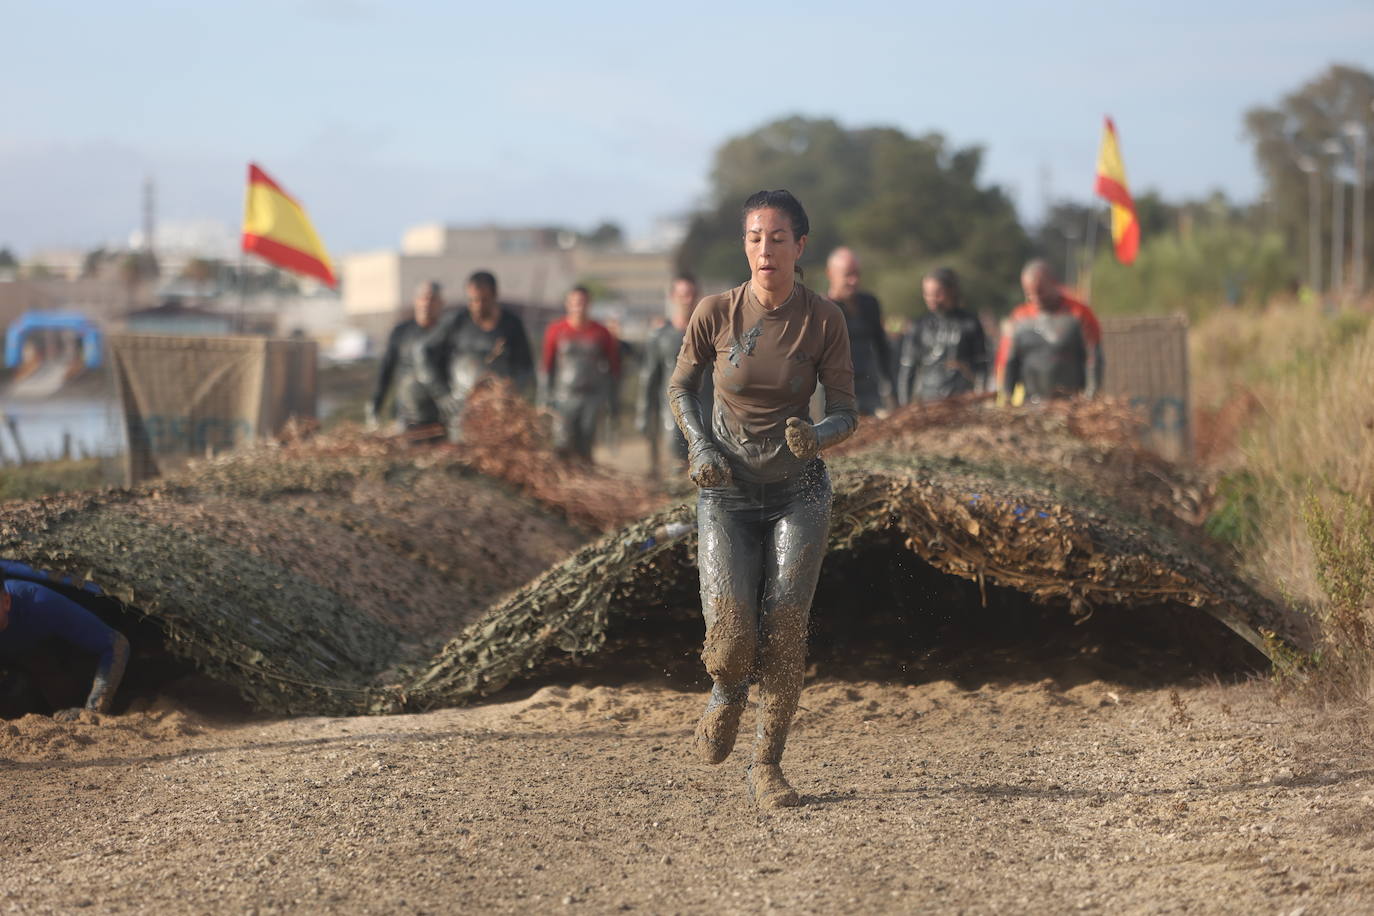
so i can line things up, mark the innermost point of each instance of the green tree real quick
(201, 273)
(95, 258)
(1307, 124)
(906, 204)
(1215, 262)
(1062, 236)
(7, 260)
(606, 235)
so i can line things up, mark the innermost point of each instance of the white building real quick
(533, 266)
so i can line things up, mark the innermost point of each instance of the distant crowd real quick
(1050, 347)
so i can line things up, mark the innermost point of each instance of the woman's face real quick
(772, 249)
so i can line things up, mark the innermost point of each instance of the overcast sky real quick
(381, 115)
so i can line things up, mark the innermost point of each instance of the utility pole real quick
(1358, 133)
(1090, 255)
(149, 219)
(1337, 151)
(1314, 217)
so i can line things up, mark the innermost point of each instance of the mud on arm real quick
(1011, 368)
(836, 374)
(705, 464)
(384, 376)
(908, 361)
(109, 672)
(1094, 370)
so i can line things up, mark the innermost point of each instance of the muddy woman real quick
(763, 509)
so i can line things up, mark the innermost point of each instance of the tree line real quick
(911, 203)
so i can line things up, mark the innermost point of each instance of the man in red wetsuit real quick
(577, 374)
(1053, 343)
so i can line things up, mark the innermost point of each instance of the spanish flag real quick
(276, 229)
(1111, 184)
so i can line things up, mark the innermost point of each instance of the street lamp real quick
(1337, 151)
(1356, 131)
(1314, 216)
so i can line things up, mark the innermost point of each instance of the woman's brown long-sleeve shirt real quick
(766, 367)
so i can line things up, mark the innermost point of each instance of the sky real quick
(379, 116)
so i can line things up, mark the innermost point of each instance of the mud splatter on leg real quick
(780, 679)
(792, 564)
(730, 560)
(718, 728)
(769, 788)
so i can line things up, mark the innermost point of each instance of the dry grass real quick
(1311, 444)
(47, 477)
(1236, 350)
(1298, 502)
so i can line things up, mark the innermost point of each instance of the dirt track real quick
(1071, 793)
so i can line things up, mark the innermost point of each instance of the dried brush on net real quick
(1103, 422)
(506, 438)
(1093, 445)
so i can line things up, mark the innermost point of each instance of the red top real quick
(1092, 331)
(591, 331)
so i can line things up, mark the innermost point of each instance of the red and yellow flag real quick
(276, 229)
(1111, 184)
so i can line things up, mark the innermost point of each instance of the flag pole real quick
(243, 290)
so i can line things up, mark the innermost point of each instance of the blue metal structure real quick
(92, 338)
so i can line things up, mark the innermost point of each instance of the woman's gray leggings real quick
(759, 552)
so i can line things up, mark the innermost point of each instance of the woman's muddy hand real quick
(710, 469)
(801, 438)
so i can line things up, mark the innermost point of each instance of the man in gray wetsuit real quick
(653, 418)
(868, 343)
(414, 363)
(1053, 345)
(946, 351)
(483, 341)
(577, 375)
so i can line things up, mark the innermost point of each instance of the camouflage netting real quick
(982, 523)
(299, 572)
(322, 576)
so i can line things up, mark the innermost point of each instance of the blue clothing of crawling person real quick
(31, 615)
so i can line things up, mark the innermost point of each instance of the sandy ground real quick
(1018, 795)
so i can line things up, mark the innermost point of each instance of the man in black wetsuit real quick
(653, 418)
(946, 352)
(32, 615)
(485, 340)
(414, 362)
(867, 340)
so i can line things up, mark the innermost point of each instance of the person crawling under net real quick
(31, 616)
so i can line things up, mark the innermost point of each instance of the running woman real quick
(763, 509)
